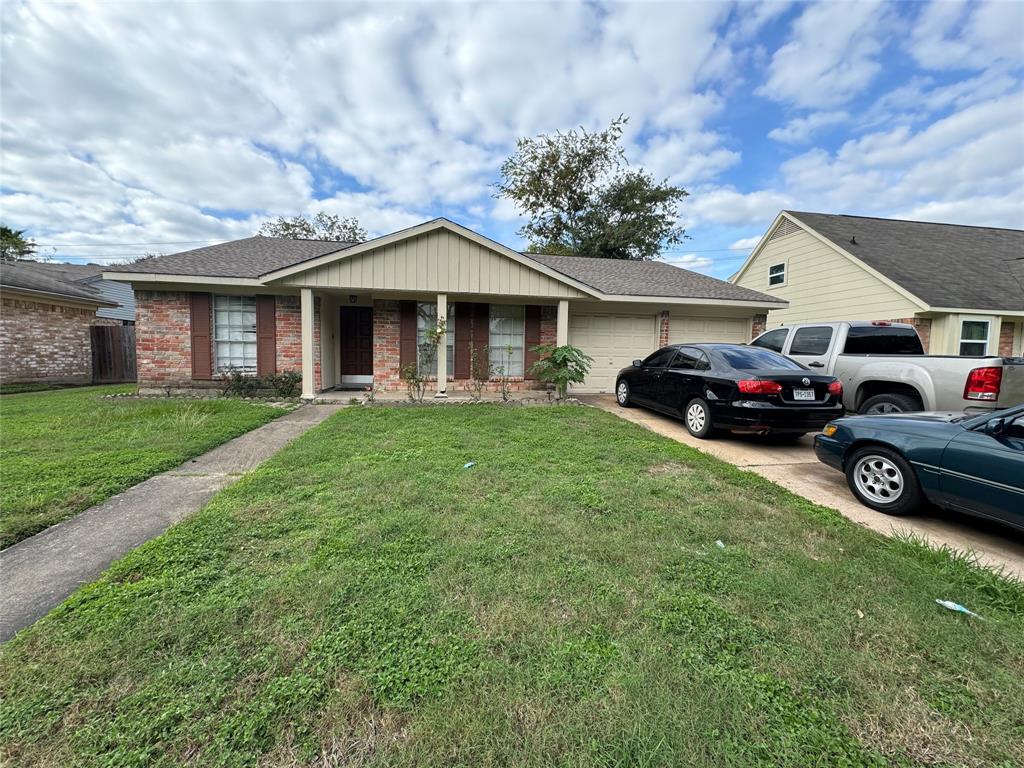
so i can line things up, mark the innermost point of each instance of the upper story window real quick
(777, 274)
(974, 337)
(507, 338)
(234, 333)
(426, 357)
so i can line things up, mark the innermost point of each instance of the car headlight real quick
(829, 430)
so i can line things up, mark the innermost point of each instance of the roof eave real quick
(65, 297)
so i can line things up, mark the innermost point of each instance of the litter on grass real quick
(951, 606)
(469, 464)
(719, 543)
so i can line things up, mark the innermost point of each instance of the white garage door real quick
(683, 329)
(614, 341)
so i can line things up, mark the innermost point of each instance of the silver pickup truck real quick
(884, 369)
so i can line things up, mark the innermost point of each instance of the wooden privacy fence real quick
(113, 353)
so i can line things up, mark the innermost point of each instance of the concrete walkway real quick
(39, 572)
(796, 468)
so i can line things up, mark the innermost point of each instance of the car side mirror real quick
(638, 363)
(995, 427)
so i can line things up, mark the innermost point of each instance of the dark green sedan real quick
(896, 463)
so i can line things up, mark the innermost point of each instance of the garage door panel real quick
(613, 341)
(688, 329)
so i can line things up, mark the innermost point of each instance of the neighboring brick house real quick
(352, 315)
(962, 287)
(45, 321)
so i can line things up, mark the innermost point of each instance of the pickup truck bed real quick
(903, 380)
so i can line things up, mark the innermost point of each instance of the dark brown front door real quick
(357, 341)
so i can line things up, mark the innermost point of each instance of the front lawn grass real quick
(362, 599)
(63, 451)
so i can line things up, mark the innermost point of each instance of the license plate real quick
(803, 394)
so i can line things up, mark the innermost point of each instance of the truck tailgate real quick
(1011, 391)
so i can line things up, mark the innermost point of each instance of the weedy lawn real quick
(63, 451)
(361, 599)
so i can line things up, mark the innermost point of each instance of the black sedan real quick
(731, 387)
(895, 463)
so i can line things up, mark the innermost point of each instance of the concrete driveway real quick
(795, 467)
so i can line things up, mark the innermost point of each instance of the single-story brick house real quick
(348, 315)
(961, 286)
(46, 313)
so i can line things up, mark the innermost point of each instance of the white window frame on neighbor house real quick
(986, 341)
(234, 334)
(426, 317)
(783, 273)
(507, 329)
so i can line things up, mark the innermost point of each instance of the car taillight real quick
(835, 388)
(983, 384)
(758, 387)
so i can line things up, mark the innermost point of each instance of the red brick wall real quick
(1006, 339)
(663, 328)
(387, 336)
(288, 323)
(41, 341)
(163, 342)
(923, 326)
(757, 325)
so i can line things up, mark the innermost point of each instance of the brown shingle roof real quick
(944, 265)
(248, 257)
(646, 278)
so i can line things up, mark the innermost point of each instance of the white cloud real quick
(799, 130)
(746, 243)
(724, 205)
(952, 34)
(692, 261)
(831, 55)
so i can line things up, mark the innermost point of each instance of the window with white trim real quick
(507, 338)
(974, 337)
(777, 274)
(426, 319)
(234, 333)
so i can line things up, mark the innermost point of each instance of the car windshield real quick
(753, 359)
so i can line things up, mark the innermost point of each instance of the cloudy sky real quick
(157, 127)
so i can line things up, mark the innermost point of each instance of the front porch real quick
(352, 342)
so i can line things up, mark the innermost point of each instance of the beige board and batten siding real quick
(821, 284)
(613, 340)
(440, 261)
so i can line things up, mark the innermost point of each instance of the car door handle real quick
(815, 365)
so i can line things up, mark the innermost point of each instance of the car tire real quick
(697, 418)
(890, 404)
(883, 480)
(623, 396)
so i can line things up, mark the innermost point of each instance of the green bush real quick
(235, 383)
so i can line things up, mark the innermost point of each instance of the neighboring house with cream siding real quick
(352, 315)
(961, 286)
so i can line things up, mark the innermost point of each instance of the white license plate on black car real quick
(803, 394)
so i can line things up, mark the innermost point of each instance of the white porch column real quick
(562, 328)
(308, 369)
(442, 348)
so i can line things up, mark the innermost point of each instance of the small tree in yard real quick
(561, 366)
(415, 374)
(479, 373)
(14, 245)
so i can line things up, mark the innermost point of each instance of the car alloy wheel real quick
(696, 417)
(878, 479)
(882, 408)
(622, 393)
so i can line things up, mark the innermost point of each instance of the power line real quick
(125, 245)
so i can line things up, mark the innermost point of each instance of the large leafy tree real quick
(582, 198)
(323, 226)
(14, 245)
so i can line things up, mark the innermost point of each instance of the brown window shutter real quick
(481, 330)
(202, 343)
(266, 335)
(463, 336)
(406, 333)
(531, 338)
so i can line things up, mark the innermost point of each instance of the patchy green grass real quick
(361, 599)
(63, 451)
